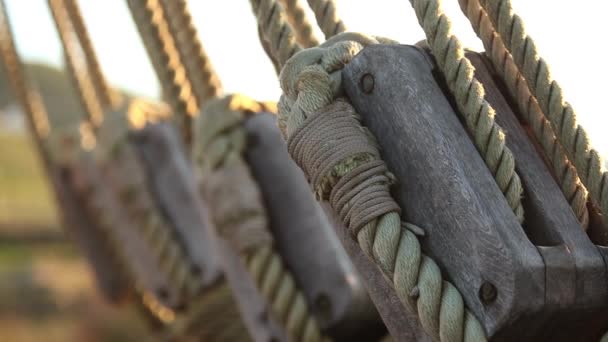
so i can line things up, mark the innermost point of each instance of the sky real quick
(570, 35)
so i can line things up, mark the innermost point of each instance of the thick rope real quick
(275, 29)
(238, 212)
(151, 22)
(327, 17)
(299, 22)
(107, 98)
(564, 172)
(341, 159)
(470, 98)
(205, 81)
(549, 95)
(81, 78)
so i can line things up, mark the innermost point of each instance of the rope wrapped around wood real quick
(323, 143)
(220, 141)
(341, 159)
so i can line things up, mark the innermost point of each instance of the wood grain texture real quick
(306, 241)
(576, 276)
(445, 187)
(173, 186)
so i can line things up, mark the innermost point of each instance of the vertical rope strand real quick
(327, 17)
(105, 94)
(206, 83)
(160, 45)
(276, 31)
(549, 95)
(74, 59)
(299, 22)
(470, 98)
(563, 170)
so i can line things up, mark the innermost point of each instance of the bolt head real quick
(367, 83)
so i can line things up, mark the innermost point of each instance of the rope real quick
(549, 95)
(275, 30)
(470, 98)
(327, 17)
(300, 24)
(107, 98)
(28, 97)
(563, 170)
(205, 81)
(177, 89)
(342, 161)
(81, 78)
(239, 215)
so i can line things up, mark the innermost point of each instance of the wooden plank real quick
(172, 184)
(306, 241)
(576, 274)
(445, 187)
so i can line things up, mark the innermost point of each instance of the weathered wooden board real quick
(576, 277)
(445, 187)
(172, 184)
(305, 239)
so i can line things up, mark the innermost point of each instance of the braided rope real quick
(299, 22)
(206, 83)
(107, 97)
(549, 95)
(81, 78)
(563, 170)
(237, 211)
(470, 98)
(347, 170)
(327, 17)
(279, 36)
(161, 47)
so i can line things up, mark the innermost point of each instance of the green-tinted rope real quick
(549, 95)
(219, 144)
(299, 22)
(310, 83)
(470, 98)
(564, 172)
(275, 29)
(327, 17)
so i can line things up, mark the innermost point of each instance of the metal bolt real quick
(487, 292)
(367, 83)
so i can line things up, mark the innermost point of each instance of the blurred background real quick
(46, 290)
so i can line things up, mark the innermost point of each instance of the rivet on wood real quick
(367, 83)
(487, 292)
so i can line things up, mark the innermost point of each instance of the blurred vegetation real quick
(47, 292)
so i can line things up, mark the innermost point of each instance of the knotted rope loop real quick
(343, 164)
(342, 161)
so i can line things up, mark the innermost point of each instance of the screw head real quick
(367, 83)
(487, 292)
